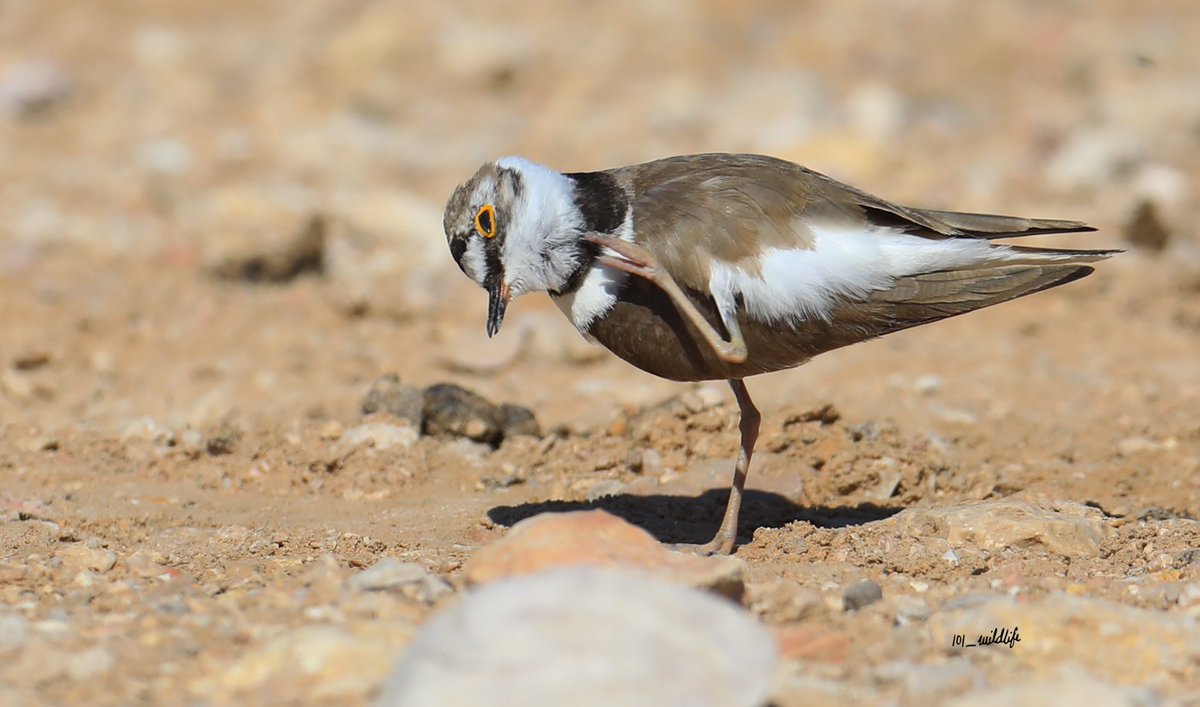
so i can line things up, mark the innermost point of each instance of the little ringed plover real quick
(723, 266)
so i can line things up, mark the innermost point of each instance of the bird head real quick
(514, 228)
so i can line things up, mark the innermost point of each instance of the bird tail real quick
(995, 226)
(926, 297)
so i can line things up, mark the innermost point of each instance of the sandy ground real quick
(162, 410)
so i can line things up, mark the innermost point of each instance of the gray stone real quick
(586, 636)
(408, 578)
(224, 439)
(861, 594)
(517, 420)
(453, 411)
(1145, 228)
(32, 88)
(389, 395)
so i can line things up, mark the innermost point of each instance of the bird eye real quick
(485, 221)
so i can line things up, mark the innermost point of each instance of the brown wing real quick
(689, 210)
(735, 205)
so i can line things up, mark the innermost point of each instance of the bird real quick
(723, 266)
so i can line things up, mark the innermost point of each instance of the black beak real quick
(498, 297)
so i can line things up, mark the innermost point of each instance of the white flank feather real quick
(805, 283)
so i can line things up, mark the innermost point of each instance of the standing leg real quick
(722, 543)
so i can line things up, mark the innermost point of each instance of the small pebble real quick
(78, 556)
(604, 488)
(1145, 228)
(911, 610)
(332, 430)
(32, 88)
(1130, 446)
(224, 439)
(378, 435)
(862, 594)
(409, 578)
(928, 385)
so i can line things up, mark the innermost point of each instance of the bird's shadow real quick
(694, 519)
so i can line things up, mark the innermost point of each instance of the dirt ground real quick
(177, 371)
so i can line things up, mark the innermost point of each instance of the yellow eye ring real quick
(485, 221)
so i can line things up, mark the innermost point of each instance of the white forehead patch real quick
(484, 192)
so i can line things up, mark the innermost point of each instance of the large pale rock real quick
(586, 636)
(1068, 529)
(1124, 643)
(598, 538)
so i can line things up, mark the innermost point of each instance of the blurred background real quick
(154, 156)
(131, 125)
(174, 137)
(134, 127)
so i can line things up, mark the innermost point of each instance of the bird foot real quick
(720, 545)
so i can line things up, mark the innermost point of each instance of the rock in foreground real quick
(586, 636)
(598, 538)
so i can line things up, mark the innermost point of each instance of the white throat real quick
(541, 247)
